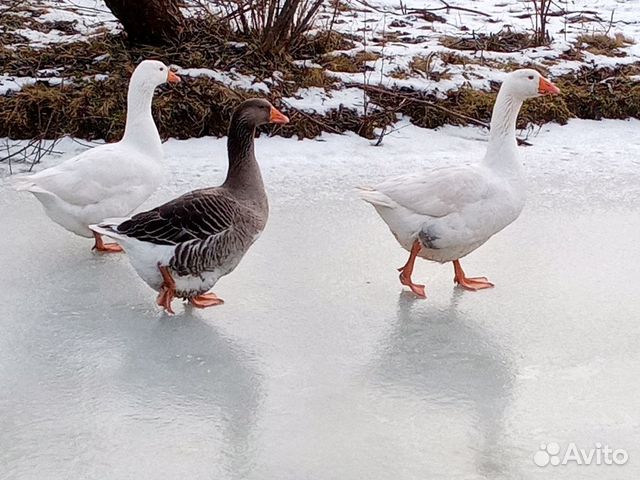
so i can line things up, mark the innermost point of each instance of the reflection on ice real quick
(185, 368)
(445, 359)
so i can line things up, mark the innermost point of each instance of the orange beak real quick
(277, 116)
(172, 77)
(545, 87)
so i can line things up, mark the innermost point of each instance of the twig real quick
(448, 7)
(404, 10)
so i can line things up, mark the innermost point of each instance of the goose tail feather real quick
(375, 198)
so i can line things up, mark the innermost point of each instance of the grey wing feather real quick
(207, 226)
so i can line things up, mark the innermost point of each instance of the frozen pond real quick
(319, 366)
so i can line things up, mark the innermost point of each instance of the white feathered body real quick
(107, 181)
(452, 210)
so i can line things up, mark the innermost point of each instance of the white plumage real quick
(113, 179)
(446, 213)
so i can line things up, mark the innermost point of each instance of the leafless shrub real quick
(543, 9)
(279, 25)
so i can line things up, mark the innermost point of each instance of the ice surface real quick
(319, 366)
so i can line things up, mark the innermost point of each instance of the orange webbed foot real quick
(407, 270)
(100, 246)
(469, 283)
(164, 299)
(167, 291)
(206, 300)
(474, 283)
(419, 290)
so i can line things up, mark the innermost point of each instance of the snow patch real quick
(232, 78)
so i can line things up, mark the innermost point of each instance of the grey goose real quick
(182, 248)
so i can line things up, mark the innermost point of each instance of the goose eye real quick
(162, 70)
(530, 77)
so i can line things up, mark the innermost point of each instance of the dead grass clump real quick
(399, 73)
(311, 77)
(98, 110)
(424, 66)
(452, 58)
(602, 93)
(589, 94)
(10, 21)
(572, 54)
(24, 17)
(602, 44)
(361, 58)
(350, 64)
(341, 63)
(324, 42)
(196, 107)
(503, 41)
(211, 45)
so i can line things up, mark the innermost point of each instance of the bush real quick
(279, 25)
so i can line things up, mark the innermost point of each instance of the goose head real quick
(528, 83)
(257, 111)
(152, 73)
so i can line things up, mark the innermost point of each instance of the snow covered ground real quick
(319, 366)
(398, 34)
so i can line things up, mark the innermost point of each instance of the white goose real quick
(444, 214)
(111, 180)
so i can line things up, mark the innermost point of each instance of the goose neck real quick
(244, 173)
(140, 129)
(502, 151)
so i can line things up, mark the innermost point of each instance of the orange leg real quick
(407, 270)
(100, 246)
(469, 283)
(167, 291)
(206, 300)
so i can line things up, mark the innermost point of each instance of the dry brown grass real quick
(591, 94)
(423, 65)
(198, 106)
(454, 59)
(399, 73)
(311, 77)
(349, 63)
(503, 41)
(602, 44)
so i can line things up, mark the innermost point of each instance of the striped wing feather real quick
(193, 216)
(208, 227)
